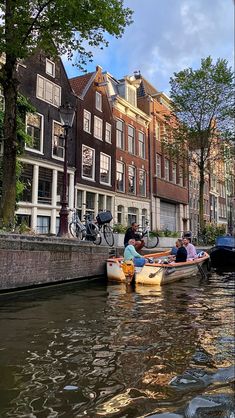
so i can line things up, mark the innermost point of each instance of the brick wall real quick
(29, 261)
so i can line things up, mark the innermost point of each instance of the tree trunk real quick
(10, 89)
(201, 194)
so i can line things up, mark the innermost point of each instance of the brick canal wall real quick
(29, 261)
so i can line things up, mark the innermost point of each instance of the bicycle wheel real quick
(151, 240)
(75, 230)
(108, 235)
(93, 233)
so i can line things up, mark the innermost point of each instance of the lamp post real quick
(66, 117)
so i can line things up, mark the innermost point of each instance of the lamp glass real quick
(67, 115)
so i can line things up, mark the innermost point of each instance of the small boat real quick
(157, 272)
(223, 253)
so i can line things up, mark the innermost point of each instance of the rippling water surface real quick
(97, 350)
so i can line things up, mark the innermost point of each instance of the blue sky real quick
(167, 36)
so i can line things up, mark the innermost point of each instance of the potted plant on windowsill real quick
(119, 233)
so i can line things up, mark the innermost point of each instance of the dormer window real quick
(98, 101)
(131, 95)
(50, 68)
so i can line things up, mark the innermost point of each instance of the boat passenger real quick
(132, 233)
(191, 250)
(181, 255)
(130, 253)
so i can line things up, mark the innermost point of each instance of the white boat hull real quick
(156, 274)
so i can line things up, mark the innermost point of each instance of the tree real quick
(57, 27)
(203, 102)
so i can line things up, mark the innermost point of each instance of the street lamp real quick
(66, 116)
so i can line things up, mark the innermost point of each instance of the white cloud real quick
(170, 35)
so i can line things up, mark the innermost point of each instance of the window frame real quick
(159, 165)
(28, 148)
(48, 61)
(109, 169)
(97, 119)
(122, 134)
(123, 173)
(86, 112)
(57, 157)
(142, 143)
(134, 169)
(43, 96)
(131, 140)
(107, 124)
(98, 101)
(145, 183)
(93, 164)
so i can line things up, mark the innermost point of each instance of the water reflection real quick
(111, 350)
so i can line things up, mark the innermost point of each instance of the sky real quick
(167, 36)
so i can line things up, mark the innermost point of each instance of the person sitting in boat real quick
(181, 252)
(191, 250)
(130, 253)
(131, 233)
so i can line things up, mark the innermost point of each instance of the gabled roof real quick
(81, 83)
(145, 88)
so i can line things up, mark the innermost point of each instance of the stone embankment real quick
(27, 261)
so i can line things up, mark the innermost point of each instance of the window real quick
(142, 182)
(167, 169)
(50, 68)
(105, 166)
(90, 204)
(157, 131)
(131, 95)
(44, 186)
(109, 203)
(43, 224)
(98, 101)
(131, 139)
(87, 121)
(141, 144)
(132, 215)
(27, 178)
(174, 172)
(158, 165)
(79, 203)
(34, 127)
(131, 180)
(120, 177)
(108, 133)
(98, 125)
(120, 214)
(120, 134)
(144, 217)
(180, 176)
(100, 202)
(58, 141)
(48, 92)
(88, 162)
(2, 101)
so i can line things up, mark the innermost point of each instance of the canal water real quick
(107, 350)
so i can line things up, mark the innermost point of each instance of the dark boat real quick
(223, 254)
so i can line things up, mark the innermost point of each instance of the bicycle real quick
(103, 219)
(151, 239)
(84, 231)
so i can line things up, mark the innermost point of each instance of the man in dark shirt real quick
(132, 233)
(181, 254)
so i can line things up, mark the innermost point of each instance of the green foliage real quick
(212, 230)
(119, 228)
(59, 26)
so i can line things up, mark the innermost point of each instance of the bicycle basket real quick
(104, 217)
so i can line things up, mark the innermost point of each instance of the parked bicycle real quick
(92, 230)
(84, 231)
(151, 239)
